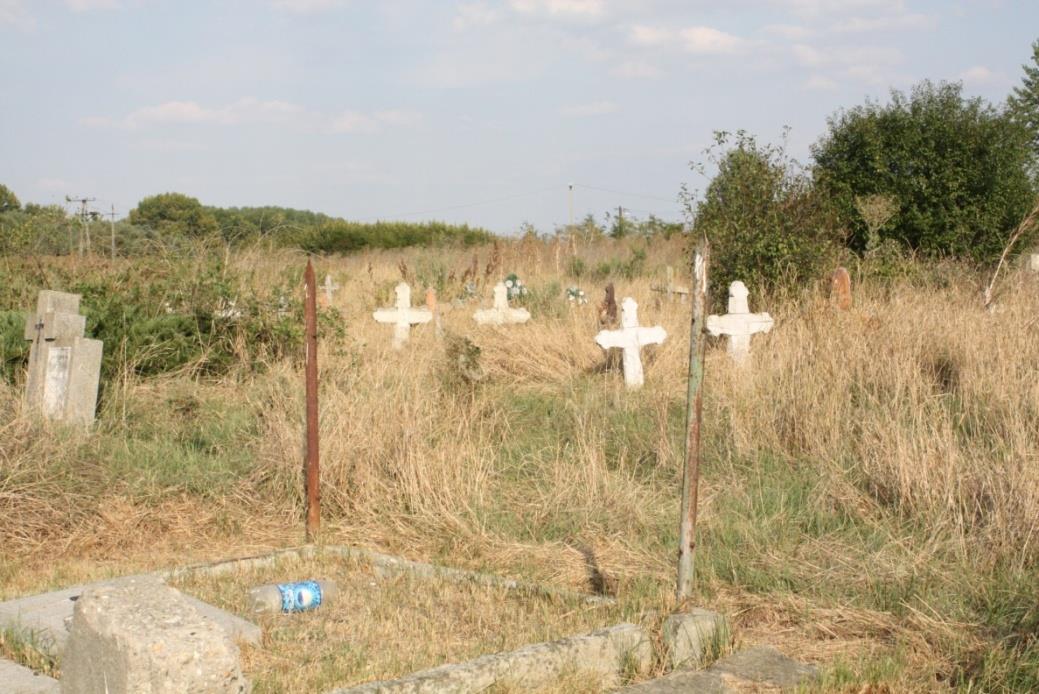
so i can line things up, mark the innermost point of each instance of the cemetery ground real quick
(870, 480)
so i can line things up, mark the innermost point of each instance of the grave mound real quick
(385, 624)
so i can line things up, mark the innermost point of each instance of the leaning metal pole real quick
(313, 474)
(694, 417)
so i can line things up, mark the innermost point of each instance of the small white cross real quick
(330, 288)
(402, 316)
(631, 338)
(500, 313)
(739, 323)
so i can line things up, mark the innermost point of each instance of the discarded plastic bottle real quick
(292, 597)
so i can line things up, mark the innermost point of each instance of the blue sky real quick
(473, 111)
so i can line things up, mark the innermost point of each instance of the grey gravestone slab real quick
(64, 366)
(15, 679)
(761, 668)
(44, 617)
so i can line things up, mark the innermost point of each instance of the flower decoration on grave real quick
(575, 295)
(515, 286)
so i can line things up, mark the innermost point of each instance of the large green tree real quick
(174, 212)
(765, 222)
(1024, 101)
(957, 169)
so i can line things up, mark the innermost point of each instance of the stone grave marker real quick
(402, 316)
(840, 289)
(739, 324)
(631, 338)
(500, 313)
(64, 366)
(671, 288)
(1033, 262)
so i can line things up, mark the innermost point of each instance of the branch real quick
(1024, 226)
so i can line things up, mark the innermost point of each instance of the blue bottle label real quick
(300, 596)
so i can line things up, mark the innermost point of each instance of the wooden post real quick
(694, 415)
(313, 474)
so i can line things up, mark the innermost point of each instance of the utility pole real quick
(570, 204)
(83, 215)
(111, 216)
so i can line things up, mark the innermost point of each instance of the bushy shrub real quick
(956, 168)
(162, 314)
(341, 236)
(766, 224)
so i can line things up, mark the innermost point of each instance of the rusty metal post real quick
(694, 416)
(313, 474)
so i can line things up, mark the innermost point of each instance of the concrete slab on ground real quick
(15, 679)
(759, 669)
(45, 617)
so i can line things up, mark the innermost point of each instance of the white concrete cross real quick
(631, 338)
(739, 324)
(402, 316)
(330, 288)
(500, 313)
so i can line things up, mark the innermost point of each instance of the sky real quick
(474, 111)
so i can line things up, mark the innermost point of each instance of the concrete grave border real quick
(612, 651)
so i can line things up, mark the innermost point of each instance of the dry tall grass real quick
(916, 405)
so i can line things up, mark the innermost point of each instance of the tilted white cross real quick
(403, 316)
(631, 338)
(500, 313)
(739, 323)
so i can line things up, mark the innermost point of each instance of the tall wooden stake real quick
(694, 415)
(313, 470)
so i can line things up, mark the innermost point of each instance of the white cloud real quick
(820, 83)
(981, 76)
(816, 8)
(792, 32)
(807, 55)
(701, 40)
(13, 12)
(306, 6)
(360, 122)
(87, 5)
(883, 23)
(636, 69)
(595, 108)
(560, 8)
(250, 110)
(705, 40)
(472, 14)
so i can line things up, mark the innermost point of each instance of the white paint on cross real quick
(500, 313)
(739, 324)
(631, 338)
(402, 316)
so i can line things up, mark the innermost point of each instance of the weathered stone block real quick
(692, 638)
(144, 637)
